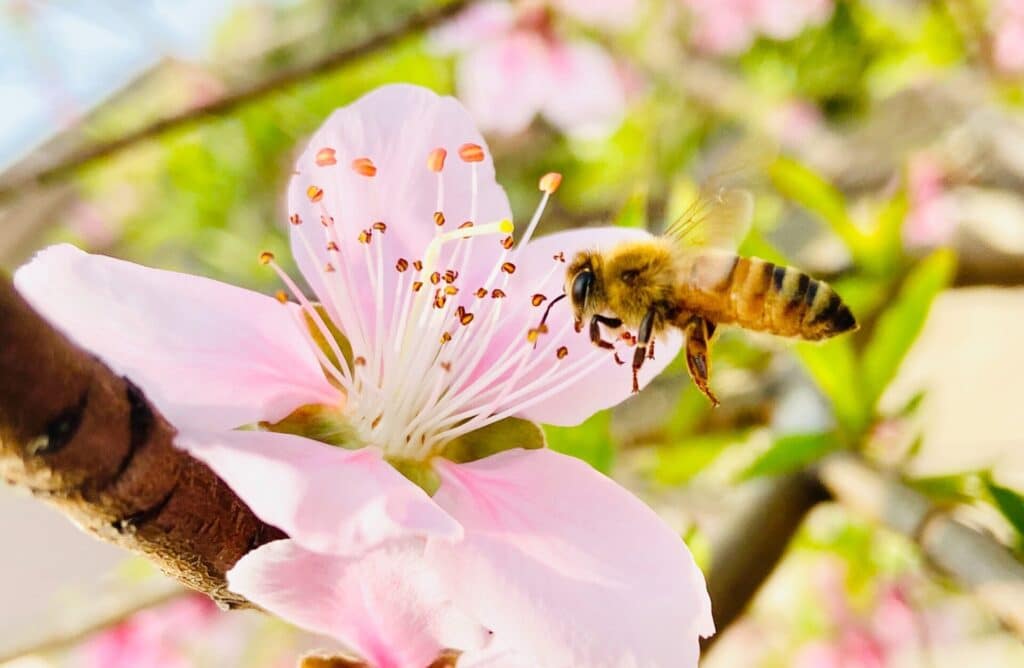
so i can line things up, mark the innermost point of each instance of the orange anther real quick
(295, 219)
(438, 218)
(471, 153)
(325, 157)
(266, 257)
(365, 236)
(364, 166)
(481, 293)
(281, 296)
(537, 299)
(466, 318)
(497, 293)
(402, 264)
(507, 242)
(332, 246)
(562, 352)
(549, 182)
(446, 337)
(435, 161)
(315, 193)
(508, 268)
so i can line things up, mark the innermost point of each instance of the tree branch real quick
(973, 559)
(87, 441)
(754, 544)
(73, 624)
(243, 95)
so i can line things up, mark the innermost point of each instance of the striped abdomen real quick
(758, 295)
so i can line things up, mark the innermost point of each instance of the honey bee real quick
(691, 279)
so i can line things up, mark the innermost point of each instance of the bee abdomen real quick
(785, 301)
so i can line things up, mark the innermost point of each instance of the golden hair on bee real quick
(690, 279)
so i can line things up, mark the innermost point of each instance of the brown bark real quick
(755, 543)
(87, 441)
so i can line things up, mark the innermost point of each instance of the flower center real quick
(419, 368)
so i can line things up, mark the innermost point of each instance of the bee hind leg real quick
(698, 362)
(644, 346)
(595, 330)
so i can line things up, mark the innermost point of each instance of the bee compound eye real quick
(581, 286)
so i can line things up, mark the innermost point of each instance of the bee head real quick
(581, 284)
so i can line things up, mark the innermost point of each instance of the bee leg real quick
(595, 330)
(644, 345)
(698, 361)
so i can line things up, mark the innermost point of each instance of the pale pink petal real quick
(721, 26)
(566, 566)
(327, 499)
(1008, 49)
(480, 23)
(587, 379)
(396, 127)
(504, 82)
(588, 94)
(785, 19)
(387, 605)
(209, 355)
(613, 14)
(818, 655)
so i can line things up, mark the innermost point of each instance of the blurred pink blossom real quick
(730, 26)
(153, 638)
(860, 642)
(931, 220)
(525, 557)
(514, 65)
(1008, 26)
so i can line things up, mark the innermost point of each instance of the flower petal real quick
(208, 355)
(387, 605)
(587, 379)
(327, 499)
(565, 565)
(505, 81)
(588, 97)
(396, 127)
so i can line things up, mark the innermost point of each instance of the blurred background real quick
(884, 142)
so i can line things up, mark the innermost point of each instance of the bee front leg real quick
(698, 362)
(595, 330)
(644, 345)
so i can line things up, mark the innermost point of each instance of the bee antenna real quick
(544, 319)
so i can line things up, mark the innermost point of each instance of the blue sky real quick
(61, 57)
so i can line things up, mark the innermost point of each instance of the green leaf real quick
(678, 463)
(634, 212)
(588, 441)
(791, 453)
(900, 324)
(952, 488)
(1009, 502)
(497, 437)
(833, 366)
(806, 188)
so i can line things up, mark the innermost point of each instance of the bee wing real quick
(716, 219)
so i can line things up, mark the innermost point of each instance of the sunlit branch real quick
(87, 441)
(66, 166)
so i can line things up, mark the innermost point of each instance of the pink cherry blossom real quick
(931, 220)
(731, 26)
(514, 65)
(891, 627)
(152, 638)
(1008, 44)
(526, 557)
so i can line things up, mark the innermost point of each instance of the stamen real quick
(329, 268)
(416, 285)
(365, 236)
(364, 167)
(446, 337)
(325, 157)
(326, 220)
(471, 153)
(417, 265)
(281, 296)
(498, 293)
(507, 243)
(508, 268)
(435, 278)
(548, 184)
(380, 226)
(331, 246)
(434, 247)
(562, 352)
(402, 264)
(538, 299)
(481, 293)
(559, 256)
(439, 218)
(266, 257)
(435, 160)
(315, 193)
(295, 219)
